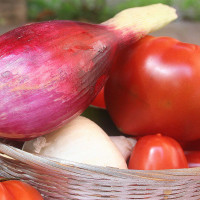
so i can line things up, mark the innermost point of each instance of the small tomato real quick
(193, 158)
(156, 152)
(99, 100)
(191, 145)
(18, 190)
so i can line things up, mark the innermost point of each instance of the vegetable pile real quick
(52, 71)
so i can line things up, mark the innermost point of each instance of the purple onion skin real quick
(49, 73)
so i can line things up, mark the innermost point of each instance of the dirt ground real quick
(183, 31)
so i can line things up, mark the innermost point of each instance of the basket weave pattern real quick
(60, 179)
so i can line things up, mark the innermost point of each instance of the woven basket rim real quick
(30, 158)
(58, 179)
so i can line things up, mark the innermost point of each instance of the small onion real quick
(124, 144)
(80, 140)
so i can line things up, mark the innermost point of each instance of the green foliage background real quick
(97, 10)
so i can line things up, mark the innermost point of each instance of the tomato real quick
(154, 87)
(156, 152)
(191, 145)
(18, 190)
(99, 100)
(193, 158)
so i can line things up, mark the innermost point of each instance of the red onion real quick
(51, 71)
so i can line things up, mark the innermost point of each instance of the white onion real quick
(81, 140)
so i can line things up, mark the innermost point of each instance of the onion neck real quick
(134, 23)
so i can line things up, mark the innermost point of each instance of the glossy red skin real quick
(99, 100)
(17, 190)
(193, 158)
(49, 73)
(154, 87)
(157, 152)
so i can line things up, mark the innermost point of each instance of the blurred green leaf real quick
(98, 11)
(189, 9)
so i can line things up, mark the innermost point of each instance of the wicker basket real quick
(60, 179)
